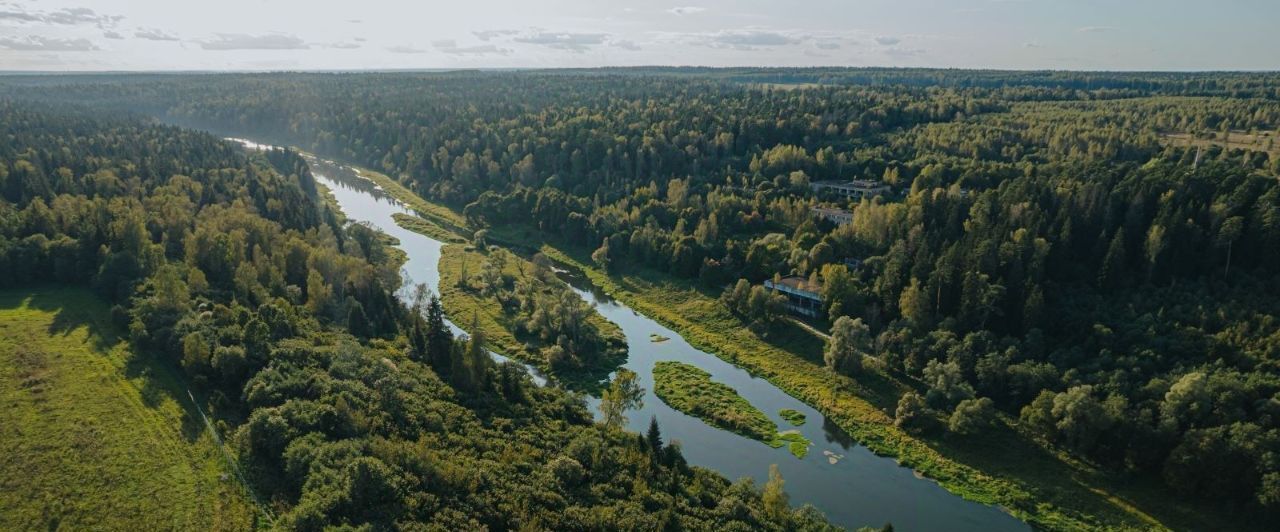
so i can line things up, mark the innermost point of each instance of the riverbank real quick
(1004, 468)
(459, 264)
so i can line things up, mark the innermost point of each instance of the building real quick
(835, 216)
(853, 190)
(803, 297)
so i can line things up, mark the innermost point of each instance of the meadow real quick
(96, 437)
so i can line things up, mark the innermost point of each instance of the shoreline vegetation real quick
(689, 389)
(1044, 487)
(794, 417)
(523, 315)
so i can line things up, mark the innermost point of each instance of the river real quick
(851, 485)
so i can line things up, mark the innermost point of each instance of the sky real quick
(93, 35)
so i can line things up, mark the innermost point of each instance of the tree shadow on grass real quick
(74, 308)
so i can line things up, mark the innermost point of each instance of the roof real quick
(829, 211)
(859, 184)
(796, 282)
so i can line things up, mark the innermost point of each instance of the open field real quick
(1264, 141)
(93, 437)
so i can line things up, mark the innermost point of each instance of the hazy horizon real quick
(381, 35)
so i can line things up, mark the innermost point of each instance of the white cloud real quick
(573, 42)
(486, 35)
(625, 45)
(885, 40)
(112, 35)
(690, 10)
(405, 49)
(69, 16)
(37, 43)
(450, 46)
(243, 41)
(747, 39)
(153, 35)
(1094, 29)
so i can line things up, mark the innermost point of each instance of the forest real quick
(1046, 260)
(344, 406)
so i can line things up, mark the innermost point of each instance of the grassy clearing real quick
(94, 437)
(426, 227)
(471, 309)
(1264, 141)
(794, 417)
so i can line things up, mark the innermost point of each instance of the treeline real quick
(266, 305)
(1044, 252)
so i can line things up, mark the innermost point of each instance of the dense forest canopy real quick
(345, 406)
(1048, 250)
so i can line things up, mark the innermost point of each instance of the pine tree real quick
(654, 436)
(439, 338)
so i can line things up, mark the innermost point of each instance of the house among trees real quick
(803, 297)
(855, 189)
(835, 216)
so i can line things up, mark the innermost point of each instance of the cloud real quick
(112, 35)
(69, 16)
(900, 52)
(153, 35)
(625, 45)
(451, 47)
(827, 45)
(1094, 29)
(36, 43)
(744, 39)
(405, 50)
(359, 39)
(1032, 45)
(573, 42)
(681, 11)
(486, 35)
(343, 45)
(21, 16)
(885, 40)
(242, 41)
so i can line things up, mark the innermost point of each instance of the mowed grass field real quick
(94, 438)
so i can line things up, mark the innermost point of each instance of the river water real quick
(848, 483)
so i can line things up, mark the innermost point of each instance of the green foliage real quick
(623, 394)
(972, 416)
(1071, 245)
(333, 394)
(689, 389)
(528, 313)
(793, 417)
